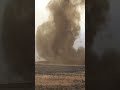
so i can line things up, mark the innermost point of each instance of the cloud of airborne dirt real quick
(55, 38)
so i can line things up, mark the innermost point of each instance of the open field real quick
(59, 82)
(59, 77)
(57, 69)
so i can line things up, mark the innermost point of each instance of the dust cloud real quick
(55, 37)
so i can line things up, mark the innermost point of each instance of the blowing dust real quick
(58, 39)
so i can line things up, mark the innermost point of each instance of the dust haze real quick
(55, 37)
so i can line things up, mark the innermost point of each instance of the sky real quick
(41, 12)
(41, 15)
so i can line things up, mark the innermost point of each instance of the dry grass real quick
(57, 80)
(60, 82)
(59, 77)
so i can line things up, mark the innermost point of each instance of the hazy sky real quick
(41, 12)
(41, 15)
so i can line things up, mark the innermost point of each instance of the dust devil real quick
(55, 38)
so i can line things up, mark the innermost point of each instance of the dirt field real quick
(45, 82)
(59, 77)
